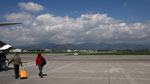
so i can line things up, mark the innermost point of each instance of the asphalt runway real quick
(62, 69)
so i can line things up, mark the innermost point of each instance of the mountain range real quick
(85, 46)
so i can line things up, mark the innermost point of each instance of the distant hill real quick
(86, 46)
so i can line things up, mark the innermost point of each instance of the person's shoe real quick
(6, 69)
(16, 77)
(41, 76)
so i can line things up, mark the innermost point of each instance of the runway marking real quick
(127, 75)
(25, 64)
(34, 76)
(29, 64)
(65, 66)
(83, 77)
(108, 74)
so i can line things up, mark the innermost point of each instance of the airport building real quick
(16, 50)
(47, 50)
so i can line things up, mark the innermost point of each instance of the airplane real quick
(4, 48)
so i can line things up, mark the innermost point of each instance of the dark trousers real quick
(40, 70)
(16, 69)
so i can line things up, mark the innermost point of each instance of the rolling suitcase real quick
(23, 73)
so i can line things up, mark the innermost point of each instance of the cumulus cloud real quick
(88, 28)
(17, 35)
(30, 6)
(20, 17)
(93, 28)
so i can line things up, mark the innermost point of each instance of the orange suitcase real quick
(23, 74)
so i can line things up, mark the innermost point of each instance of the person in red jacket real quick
(40, 64)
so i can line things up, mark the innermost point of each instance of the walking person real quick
(16, 59)
(40, 62)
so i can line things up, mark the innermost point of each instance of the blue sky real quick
(128, 10)
(76, 21)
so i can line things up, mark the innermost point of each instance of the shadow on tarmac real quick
(44, 74)
(9, 68)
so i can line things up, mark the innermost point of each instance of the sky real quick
(75, 21)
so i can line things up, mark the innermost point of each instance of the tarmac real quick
(64, 69)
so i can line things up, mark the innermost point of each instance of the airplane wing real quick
(9, 23)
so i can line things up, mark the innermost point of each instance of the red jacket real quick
(38, 60)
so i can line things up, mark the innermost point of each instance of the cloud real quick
(88, 28)
(30, 6)
(20, 17)
(17, 35)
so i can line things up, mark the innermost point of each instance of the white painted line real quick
(54, 70)
(29, 64)
(127, 75)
